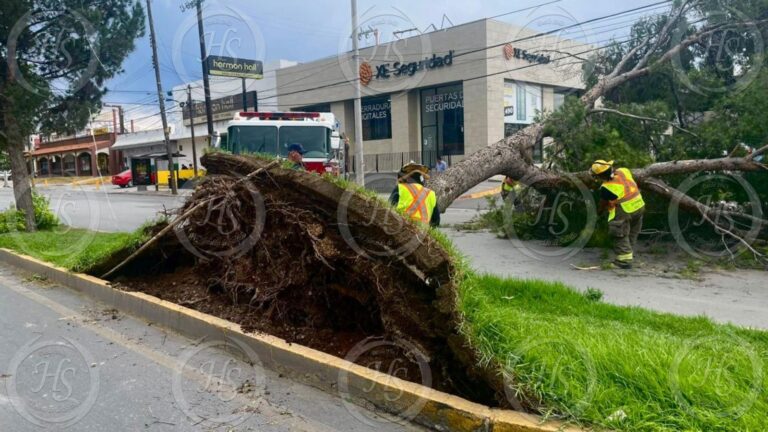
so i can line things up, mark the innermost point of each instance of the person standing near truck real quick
(296, 156)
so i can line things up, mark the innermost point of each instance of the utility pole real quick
(245, 100)
(192, 127)
(204, 61)
(359, 163)
(161, 100)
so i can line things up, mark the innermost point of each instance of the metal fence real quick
(392, 162)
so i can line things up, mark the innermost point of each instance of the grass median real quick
(71, 248)
(563, 353)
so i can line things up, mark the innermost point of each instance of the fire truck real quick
(272, 133)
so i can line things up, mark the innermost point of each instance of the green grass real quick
(71, 248)
(618, 367)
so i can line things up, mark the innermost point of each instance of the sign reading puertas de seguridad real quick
(235, 67)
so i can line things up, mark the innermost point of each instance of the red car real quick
(124, 179)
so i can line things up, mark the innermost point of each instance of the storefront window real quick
(377, 118)
(442, 122)
(522, 102)
(521, 105)
(69, 164)
(559, 100)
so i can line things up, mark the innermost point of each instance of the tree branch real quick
(709, 214)
(757, 153)
(636, 117)
(663, 34)
(627, 57)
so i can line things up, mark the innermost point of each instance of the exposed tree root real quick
(305, 258)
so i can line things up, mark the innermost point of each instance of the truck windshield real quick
(315, 140)
(265, 139)
(252, 139)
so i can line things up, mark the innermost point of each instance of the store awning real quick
(71, 148)
(139, 139)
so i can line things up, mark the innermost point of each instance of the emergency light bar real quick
(277, 115)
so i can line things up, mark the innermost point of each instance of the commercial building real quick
(85, 153)
(446, 93)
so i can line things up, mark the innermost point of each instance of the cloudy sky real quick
(307, 30)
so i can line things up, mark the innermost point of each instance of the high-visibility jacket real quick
(416, 201)
(624, 187)
(506, 187)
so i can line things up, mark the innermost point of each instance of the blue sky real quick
(307, 30)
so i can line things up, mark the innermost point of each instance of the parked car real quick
(124, 179)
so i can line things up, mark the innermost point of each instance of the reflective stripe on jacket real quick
(624, 187)
(416, 201)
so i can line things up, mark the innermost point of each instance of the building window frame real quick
(378, 128)
(434, 124)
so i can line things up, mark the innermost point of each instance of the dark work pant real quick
(625, 229)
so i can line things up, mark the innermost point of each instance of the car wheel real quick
(130, 183)
(122, 186)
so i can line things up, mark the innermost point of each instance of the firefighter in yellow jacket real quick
(412, 198)
(620, 195)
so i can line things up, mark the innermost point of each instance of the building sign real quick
(510, 52)
(234, 67)
(399, 69)
(100, 131)
(509, 110)
(366, 73)
(221, 108)
(450, 100)
(377, 109)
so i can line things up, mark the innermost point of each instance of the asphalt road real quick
(113, 209)
(68, 363)
(106, 209)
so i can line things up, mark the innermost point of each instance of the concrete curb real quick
(367, 387)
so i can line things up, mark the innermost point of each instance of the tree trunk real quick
(22, 185)
(511, 155)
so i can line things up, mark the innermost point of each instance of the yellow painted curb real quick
(481, 194)
(365, 386)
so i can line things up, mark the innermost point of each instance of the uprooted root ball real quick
(295, 255)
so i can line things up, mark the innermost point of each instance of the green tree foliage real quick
(55, 57)
(717, 90)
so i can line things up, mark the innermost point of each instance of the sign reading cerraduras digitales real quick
(235, 67)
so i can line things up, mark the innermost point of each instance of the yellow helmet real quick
(413, 167)
(601, 166)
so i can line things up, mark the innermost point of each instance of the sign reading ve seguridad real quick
(235, 67)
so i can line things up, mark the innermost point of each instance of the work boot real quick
(624, 265)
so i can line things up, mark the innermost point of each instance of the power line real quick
(538, 35)
(551, 32)
(323, 67)
(524, 9)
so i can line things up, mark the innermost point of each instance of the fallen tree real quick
(295, 255)
(512, 156)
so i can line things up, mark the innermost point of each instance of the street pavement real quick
(69, 363)
(110, 209)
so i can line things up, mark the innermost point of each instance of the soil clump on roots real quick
(297, 256)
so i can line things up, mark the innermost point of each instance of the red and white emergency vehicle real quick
(273, 132)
